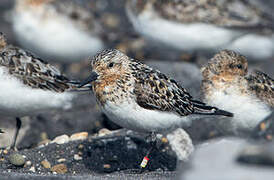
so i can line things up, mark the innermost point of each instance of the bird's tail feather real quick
(209, 110)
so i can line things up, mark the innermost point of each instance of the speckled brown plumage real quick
(129, 79)
(229, 69)
(33, 71)
(226, 13)
(263, 86)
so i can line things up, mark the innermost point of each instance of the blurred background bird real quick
(228, 85)
(205, 25)
(30, 85)
(57, 30)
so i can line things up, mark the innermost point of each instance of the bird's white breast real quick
(54, 37)
(131, 116)
(248, 110)
(196, 36)
(17, 99)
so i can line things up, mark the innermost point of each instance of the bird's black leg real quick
(18, 126)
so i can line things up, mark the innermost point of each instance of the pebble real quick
(181, 144)
(44, 143)
(61, 139)
(107, 166)
(44, 136)
(77, 157)
(5, 151)
(61, 160)
(103, 132)
(59, 169)
(28, 163)
(79, 136)
(17, 159)
(32, 169)
(81, 146)
(164, 140)
(46, 164)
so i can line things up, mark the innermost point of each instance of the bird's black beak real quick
(93, 76)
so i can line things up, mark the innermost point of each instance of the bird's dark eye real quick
(110, 64)
(239, 66)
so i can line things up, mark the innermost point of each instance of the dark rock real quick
(124, 151)
(264, 130)
(260, 154)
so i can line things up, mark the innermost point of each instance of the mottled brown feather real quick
(225, 13)
(263, 86)
(156, 91)
(33, 71)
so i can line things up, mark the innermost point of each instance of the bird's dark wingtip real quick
(224, 113)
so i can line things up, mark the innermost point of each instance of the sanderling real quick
(137, 97)
(209, 25)
(30, 85)
(57, 30)
(226, 84)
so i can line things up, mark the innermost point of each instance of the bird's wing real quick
(32, 71)
(241, 14)
(156, 91)
(263, 86)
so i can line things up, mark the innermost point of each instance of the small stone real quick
(107, 166)
(79, 136)
(61, 139)
(77, 157)
(5, 151)
(59, 169)
(81, 146)
(17, 159)
(164, 140)
(44, 136)
(43, 143)
(61, 160)
(28, 163)
(180, 143)
(104, 132)
(46, 164)
(32, 169)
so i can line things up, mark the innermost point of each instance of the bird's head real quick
(227, 65)
(107, 67)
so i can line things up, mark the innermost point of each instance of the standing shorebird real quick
(30, 85)
(226, 84)
(142, 99)
(57, 30)
(207, 25)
